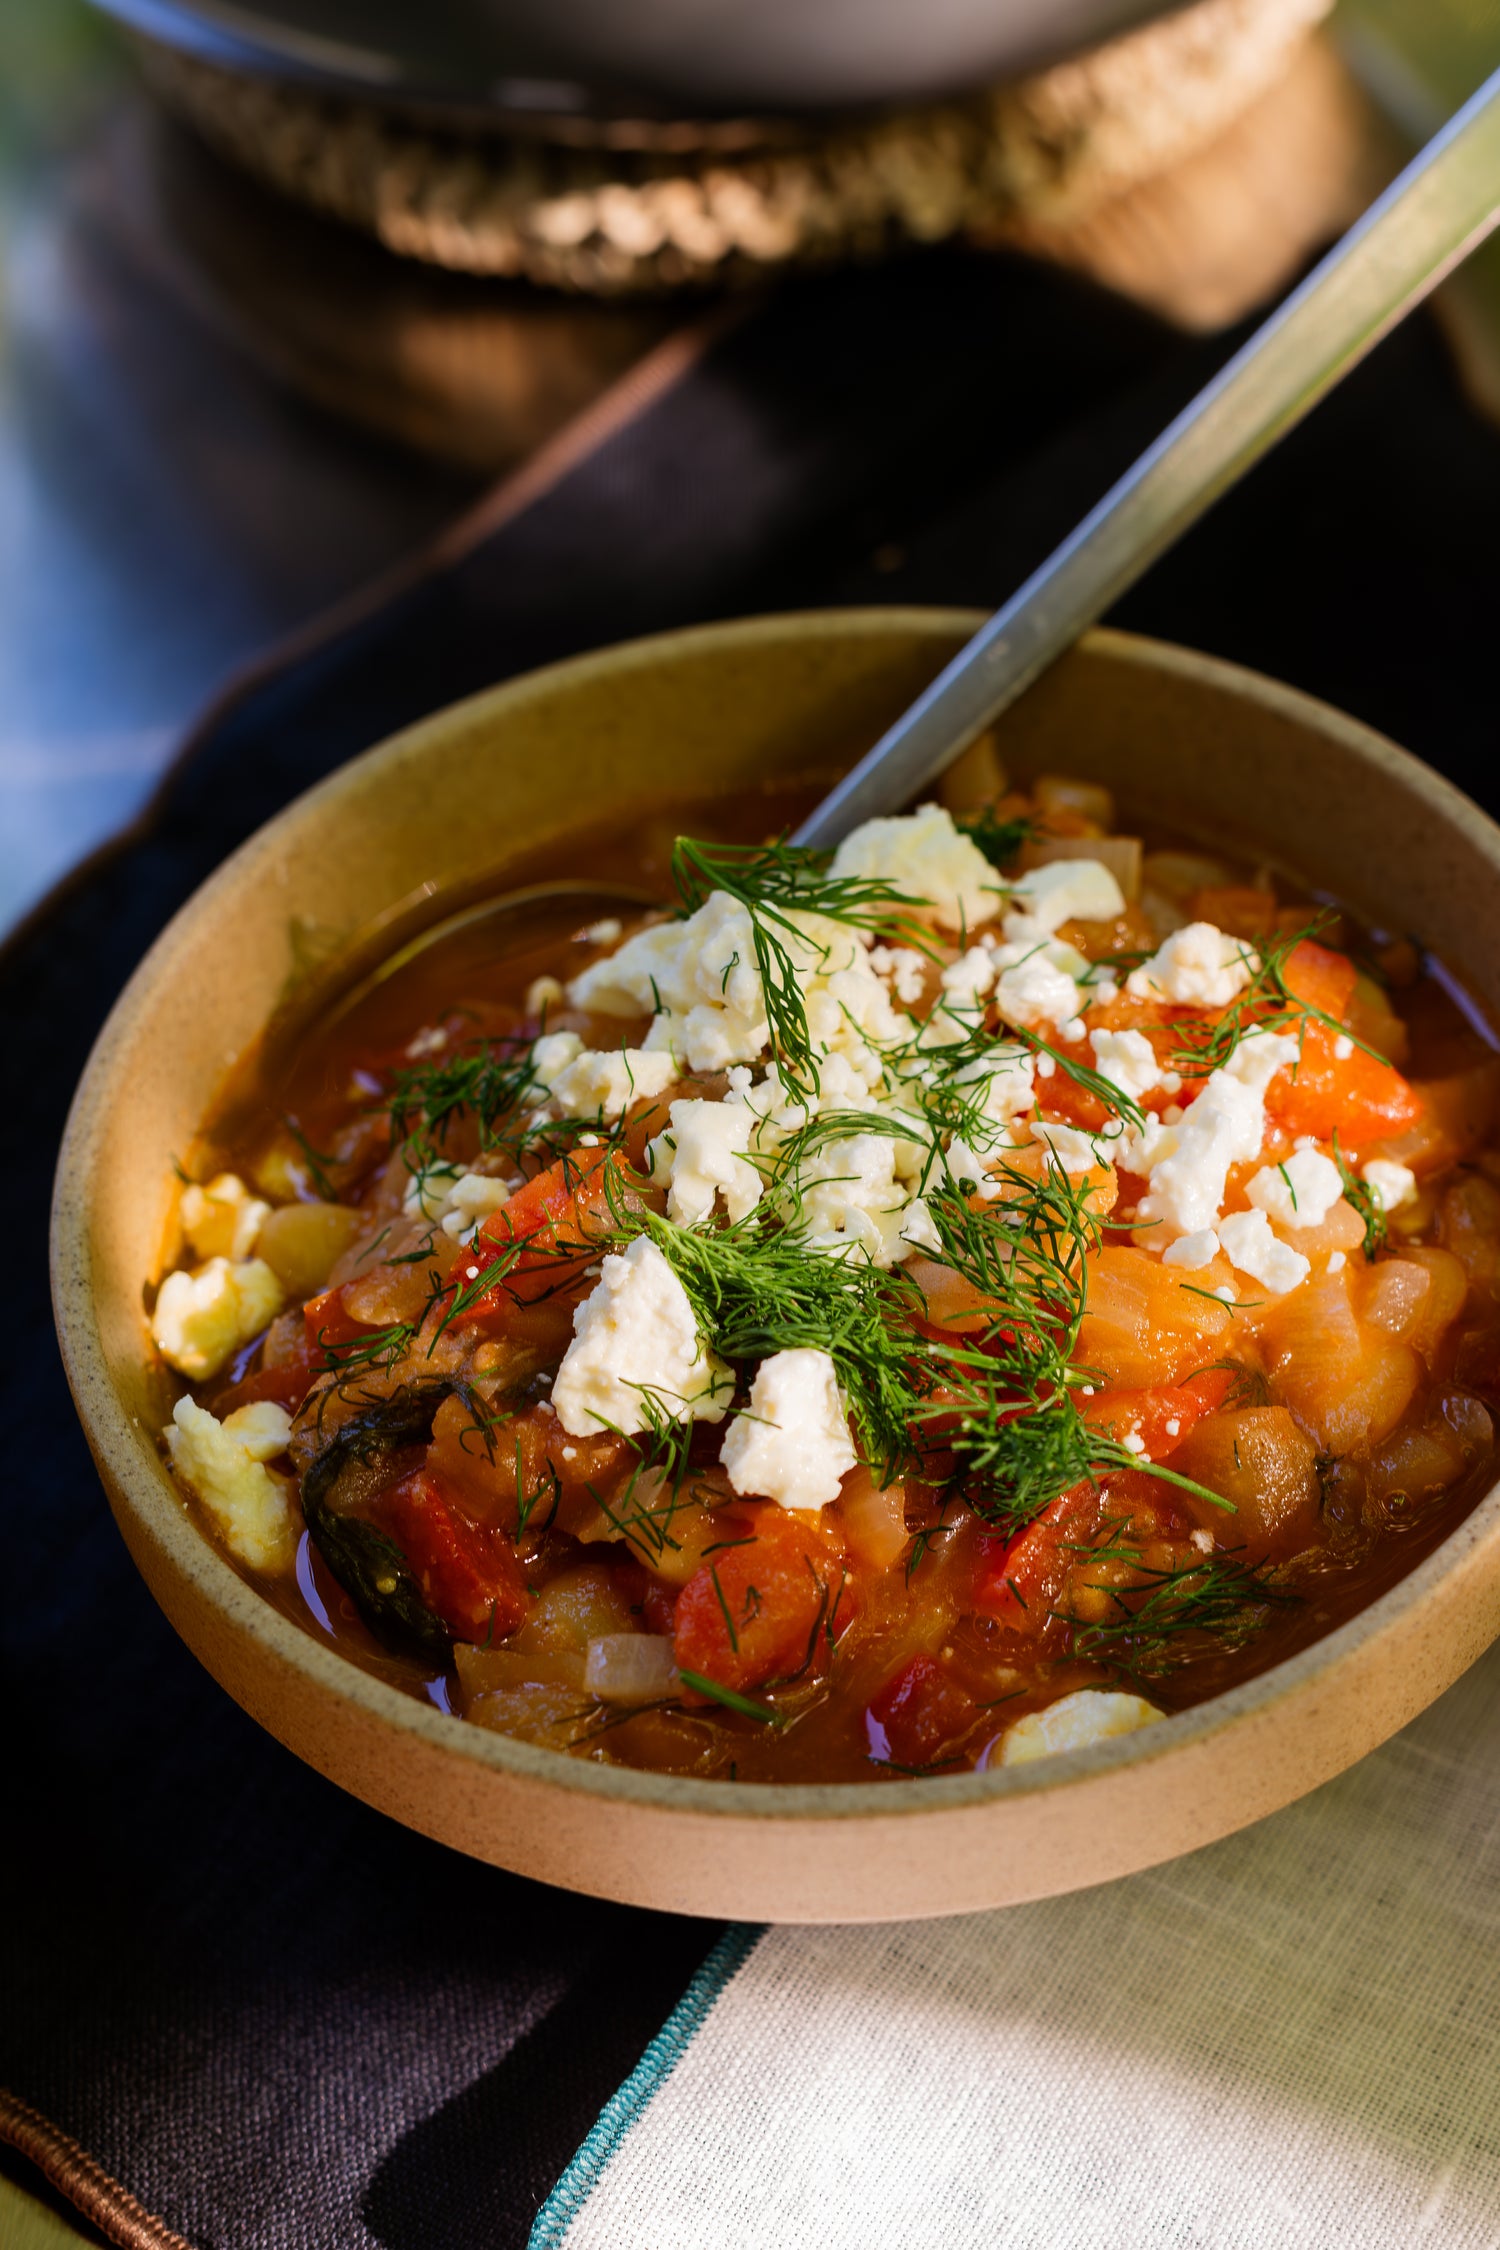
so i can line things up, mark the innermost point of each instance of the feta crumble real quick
(704, 1157)
(224, 1463)
(1188, 1163)
(1252, 1247)
(1065, 890)
(1390, 1184)
(1128, 1060)
(1198, 966)
(791, 1443)
(924, 855)
(604, 1083)
(1299, 1193)
(634, 1337)
(202, 1319)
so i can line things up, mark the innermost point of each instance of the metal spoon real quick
(1443, 205)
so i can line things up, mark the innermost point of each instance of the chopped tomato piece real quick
(558, 1217)
(469, 1575)
(329, 1321)
(1019, 1579)
(918, 1714)
(287, 1383)
(1357, 1096)
(1162, 1416)
(1322, 978)
(656, 1602)
(756, 1611)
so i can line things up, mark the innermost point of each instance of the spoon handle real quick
(1441, 206)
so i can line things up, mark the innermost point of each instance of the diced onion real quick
(630, 1668)
(874, 1520)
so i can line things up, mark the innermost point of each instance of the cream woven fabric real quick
(1289, 2041)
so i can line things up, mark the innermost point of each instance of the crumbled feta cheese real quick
(202, 1319)
(1299, 1193)
(1133, 1442)
(604, 1082)
(924, 855)
(1337, 1262)
(1343, 1047)
(457, 1200)
(551, 1055)
(842, 1182)
(1188, 1163)
(1067, 890)
(635, 1334)
(224, 1463)
(1074, 1151)
(1035, 990)
(705, 1155)
(1203, 1541)
(1073, 1722)
(1174, 1427)
(429, 1041)
(1072, 1031)
(606, 931)
(904, 969)
(791, 1443)
(918, 1229)
(1255, 1250)
(966, 980)
(967, 1171)
(697, 978)
(223, 1219)
(543, 994)
(1001, 1081)
(1198, 966)
(472, 1198)
(1128, 1060)
(1390, 1184)
(1193, 1251)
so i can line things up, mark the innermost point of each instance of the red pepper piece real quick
(469, 1575)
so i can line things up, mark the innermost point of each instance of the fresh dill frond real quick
(999, 840)
(732, 1700)
(756, 1289)
(318, 1161)
(1203, 1608)
(1364, 1201)
(775, 883)
(488, 1082)
(1093, 1082)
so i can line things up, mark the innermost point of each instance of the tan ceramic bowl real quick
(1200, 743)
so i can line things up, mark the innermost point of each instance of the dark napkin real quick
(283, 2022)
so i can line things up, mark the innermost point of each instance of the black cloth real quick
(284, 2022)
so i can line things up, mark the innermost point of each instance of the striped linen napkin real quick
(1289, 2040)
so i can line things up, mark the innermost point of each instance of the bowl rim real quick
(141, 1485)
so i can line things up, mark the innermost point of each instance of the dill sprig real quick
(732, 1700)
(999, 840)
(756, 1289)
(1364, 1201)
(1202, 1608)
(775, 883)
(488, 1082)
(1091, 1081)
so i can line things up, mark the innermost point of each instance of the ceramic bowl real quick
(1202, 744)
